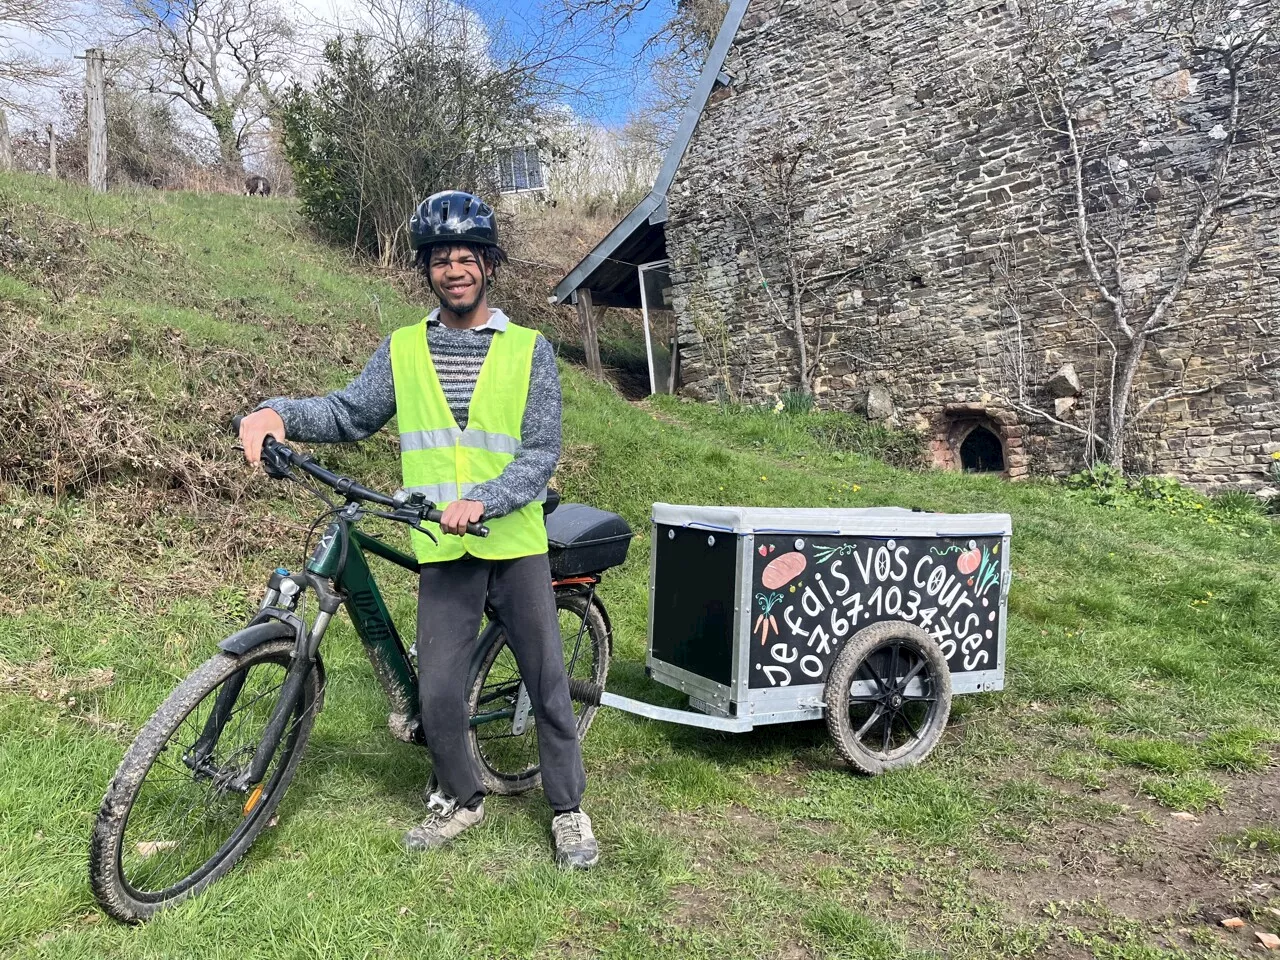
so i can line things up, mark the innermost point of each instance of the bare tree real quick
(224, 59)
(1120, 204)
(805, 244)
(20, 67)
(669, 59)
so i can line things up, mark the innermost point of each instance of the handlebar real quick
(412, 510)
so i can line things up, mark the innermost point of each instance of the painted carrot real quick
(774, 624)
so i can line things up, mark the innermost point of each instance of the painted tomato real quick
(968, 562)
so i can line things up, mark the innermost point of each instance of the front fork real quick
(284, 589)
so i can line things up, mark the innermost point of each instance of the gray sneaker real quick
(447, 820)
(576, 847)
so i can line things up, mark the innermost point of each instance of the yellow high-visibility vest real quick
(445, 463)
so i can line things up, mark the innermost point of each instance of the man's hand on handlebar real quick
(255, 428)
(458, 518)
(460, 513)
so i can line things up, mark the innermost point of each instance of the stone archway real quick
(982, 451)
(981, 439)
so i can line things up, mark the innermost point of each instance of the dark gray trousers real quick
(451, 601)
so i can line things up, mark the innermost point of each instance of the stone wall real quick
(938, 244)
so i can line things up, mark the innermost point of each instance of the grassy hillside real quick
(1143, 667)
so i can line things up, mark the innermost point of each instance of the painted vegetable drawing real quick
(826, 551)
(782, 569)
(980, 564)
(766, 621)
(989, 572)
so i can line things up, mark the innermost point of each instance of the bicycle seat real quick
(553, 500)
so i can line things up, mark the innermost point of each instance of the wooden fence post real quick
(6, 145)
(95, 95)
(590, 335)
(53, 152)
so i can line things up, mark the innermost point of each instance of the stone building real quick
(902, 172)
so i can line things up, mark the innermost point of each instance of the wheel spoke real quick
(873, 675)
(912, 673)
(910, 726)
(577, 645)
(506, 691)
(875, 715)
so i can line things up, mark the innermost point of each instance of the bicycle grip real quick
(474, 529)
(267, 441)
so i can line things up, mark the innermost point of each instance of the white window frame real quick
(641, 269)
(502, 153)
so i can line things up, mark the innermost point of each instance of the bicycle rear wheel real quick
(503, 735)
(172, 822)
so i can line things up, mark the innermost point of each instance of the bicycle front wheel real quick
(503, 735)
(174, 818)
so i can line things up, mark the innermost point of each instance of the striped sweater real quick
(364, 406)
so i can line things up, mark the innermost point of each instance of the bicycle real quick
(208, 770)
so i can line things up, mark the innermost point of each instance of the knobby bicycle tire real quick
(117, 894)
(888, 702)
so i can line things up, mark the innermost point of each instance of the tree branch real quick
(1037, 412)
(1182, 392)
(1082, 220)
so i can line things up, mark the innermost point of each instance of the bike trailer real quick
(750, 606)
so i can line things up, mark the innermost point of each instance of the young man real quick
(478, 405)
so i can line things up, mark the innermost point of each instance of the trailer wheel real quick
(888, 696)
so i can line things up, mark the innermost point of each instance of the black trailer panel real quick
(750, 606)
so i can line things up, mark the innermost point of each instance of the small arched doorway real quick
(975, 438)
(981, 451)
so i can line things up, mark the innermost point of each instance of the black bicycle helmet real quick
(452, 216)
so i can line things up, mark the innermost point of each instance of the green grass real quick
(1142, 658)
(1184, 791)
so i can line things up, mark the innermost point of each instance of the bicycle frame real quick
(377, 631)
(341, 576)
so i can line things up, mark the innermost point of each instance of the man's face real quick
(458, 278)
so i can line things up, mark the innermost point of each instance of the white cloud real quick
(401, 22)
(56, 46)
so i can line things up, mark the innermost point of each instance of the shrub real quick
(1106, 486)
(382, 128)
(149, 147)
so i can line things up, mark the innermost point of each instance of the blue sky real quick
(612, 72)
(612, 75)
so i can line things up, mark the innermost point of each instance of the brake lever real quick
(410, 518)
(272, 468)
(421, 529)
